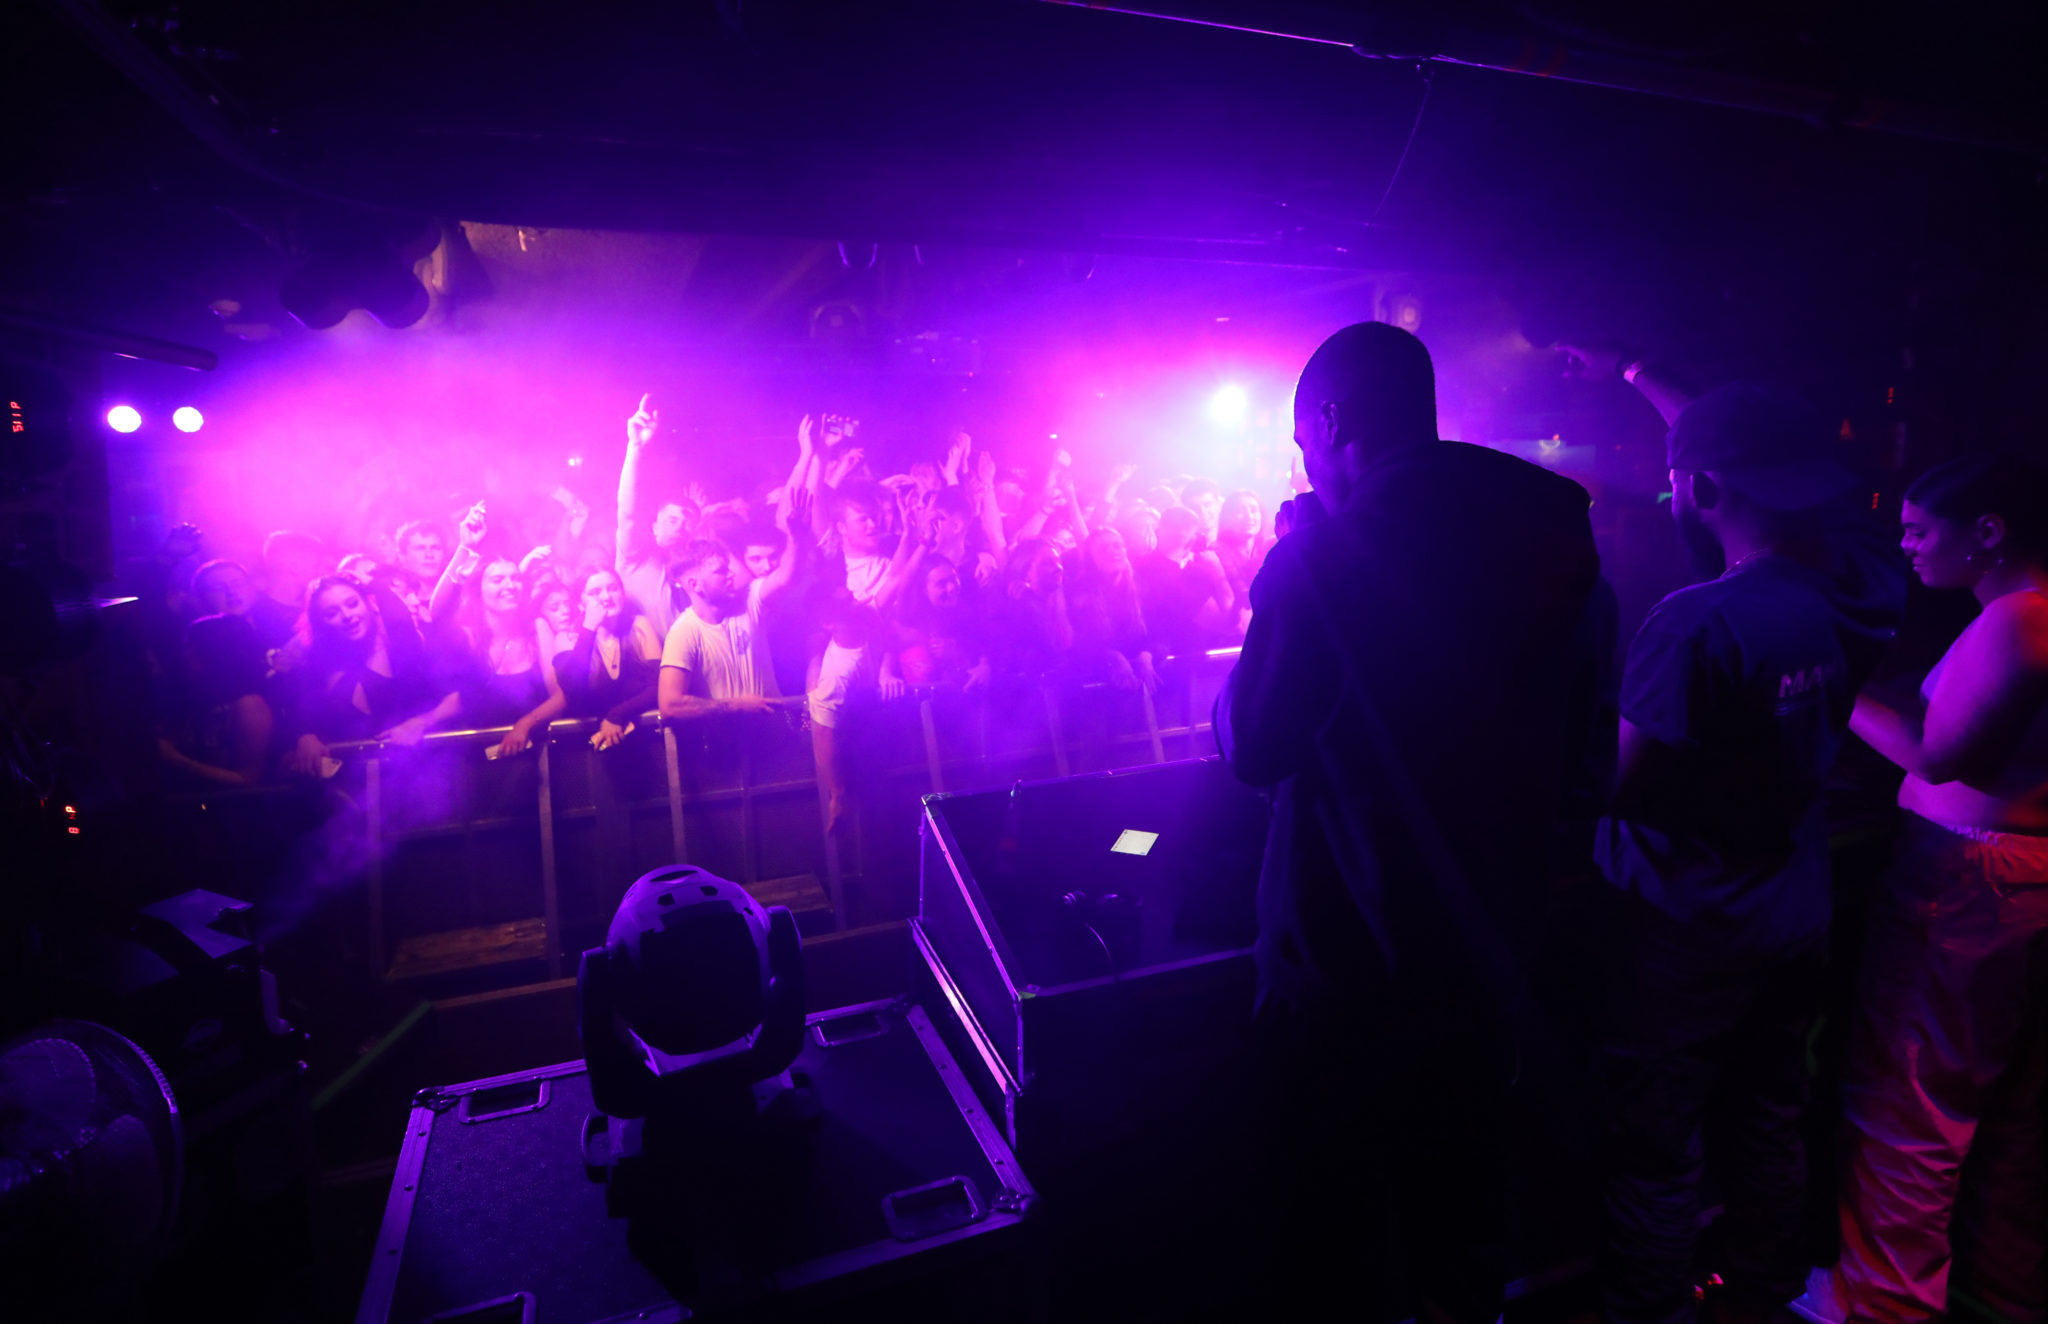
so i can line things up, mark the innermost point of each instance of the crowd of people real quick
(1430, 689)
(826, 586)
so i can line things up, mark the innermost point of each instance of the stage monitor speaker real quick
(1093, 936)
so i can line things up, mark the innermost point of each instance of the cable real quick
(1115, 975)
(1422, 69)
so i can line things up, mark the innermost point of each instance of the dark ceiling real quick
(157, 144)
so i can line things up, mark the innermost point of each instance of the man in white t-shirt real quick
(716, 656)
(874, 575)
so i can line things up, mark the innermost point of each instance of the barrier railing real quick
(447, 837)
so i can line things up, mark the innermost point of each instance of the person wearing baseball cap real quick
(1734, 701)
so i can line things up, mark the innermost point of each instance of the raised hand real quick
(795, 512)
(985, 471)
(845, 465)
(644, 423)
(471, 531)
(955, 467)
(181, 542)
(803, 435)
(1591, 363)
(698, 496)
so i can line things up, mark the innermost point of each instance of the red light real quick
(1873, 501)
(1890, 394)
(73, 830)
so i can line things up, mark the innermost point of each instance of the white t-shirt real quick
(726, 660)
(864, 576)
(646, 581)
(841, 672)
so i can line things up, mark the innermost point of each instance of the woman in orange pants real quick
(1946, 1184)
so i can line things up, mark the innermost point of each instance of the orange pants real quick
(1943, 1087)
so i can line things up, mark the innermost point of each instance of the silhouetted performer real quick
(1734, 701)
(1422, 682)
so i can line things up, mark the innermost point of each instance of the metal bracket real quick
(925, 1211)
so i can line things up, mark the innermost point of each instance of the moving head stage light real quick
(692, 1012)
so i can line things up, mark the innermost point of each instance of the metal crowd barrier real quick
(739, 795)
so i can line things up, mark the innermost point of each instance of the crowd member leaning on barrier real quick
(1110, 638)
(506, 682)
(942, 635)
(1186, 592)
(366, 676)
(1241, 547)
(222, 736)
(611, 663)
(715, 658)
(555, 608)
(1032, 624)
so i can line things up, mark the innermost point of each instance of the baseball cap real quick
(1764, 442)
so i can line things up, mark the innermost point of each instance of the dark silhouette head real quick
(1367, 390)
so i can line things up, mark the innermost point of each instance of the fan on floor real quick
(91, 1158)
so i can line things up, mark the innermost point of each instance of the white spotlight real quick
(1229, 405)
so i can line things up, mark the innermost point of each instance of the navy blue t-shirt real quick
(1746, 679)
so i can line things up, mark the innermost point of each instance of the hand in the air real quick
(644, 423)
(1590, 363)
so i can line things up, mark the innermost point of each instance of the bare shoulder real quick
(2015, 628)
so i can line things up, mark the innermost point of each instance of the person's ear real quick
(1990, 532)
(1706, 493)
(1329, 418)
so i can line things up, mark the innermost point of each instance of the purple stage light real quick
(187, 419)
(1229, 405)
(124, 418)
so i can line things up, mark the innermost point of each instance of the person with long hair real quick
(611, 663)
(1186, 592)
(224, 739)
(1241, 545)
(941, 638)
(555, 609)
(366, 675)
(1946, 1186)
(1109, 620)
(1034, 627)
(510, 683)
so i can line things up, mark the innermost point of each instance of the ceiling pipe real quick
(1535, 58)
(124, 343)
